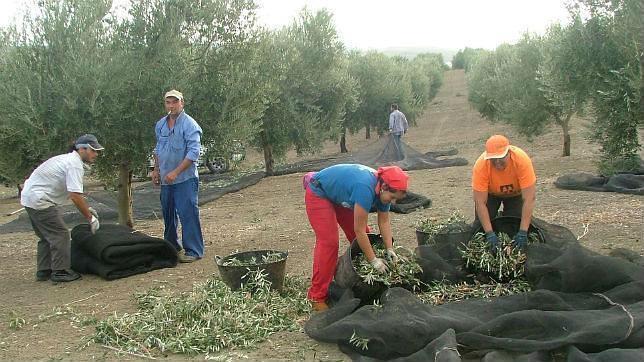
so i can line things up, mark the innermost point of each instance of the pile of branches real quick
(454, 224)
(208, 319)
(443, 292)
(404, 272)
(508, 263)
(269, 258)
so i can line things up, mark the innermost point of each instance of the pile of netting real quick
(382, 151)
(626, 182)
(570, 304)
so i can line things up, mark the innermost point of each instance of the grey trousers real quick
(55, 243)
(400, 152)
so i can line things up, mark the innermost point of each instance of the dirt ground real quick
(270, 215)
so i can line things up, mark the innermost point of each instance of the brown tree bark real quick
(343, 142)
(641, 51)
(125, 195)
(368, 132)
(268, 155)
(565, 126)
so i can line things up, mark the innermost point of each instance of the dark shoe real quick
(184, 258)
(59, 276)
(42, 275)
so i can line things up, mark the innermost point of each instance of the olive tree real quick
(55, 70)
(311, 88)
(612, 48)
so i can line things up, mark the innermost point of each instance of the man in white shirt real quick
(49, 186)
(398, 126)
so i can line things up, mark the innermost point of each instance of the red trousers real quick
(324, 218)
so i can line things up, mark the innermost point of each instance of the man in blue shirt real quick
(175, 169)
(344, 194)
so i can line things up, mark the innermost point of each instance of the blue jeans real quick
(179, 202)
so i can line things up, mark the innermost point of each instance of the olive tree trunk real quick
(125, 195)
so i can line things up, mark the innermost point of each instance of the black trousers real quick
(512, 206)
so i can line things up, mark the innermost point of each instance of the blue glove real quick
(492, 241)
(520, 239)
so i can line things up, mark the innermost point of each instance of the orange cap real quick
(496, 146)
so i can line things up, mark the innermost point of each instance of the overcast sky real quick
(425, 23)
(379, 24)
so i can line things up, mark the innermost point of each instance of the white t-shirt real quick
(51, 183)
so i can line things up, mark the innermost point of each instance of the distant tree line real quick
(76, 66)
(591, 67)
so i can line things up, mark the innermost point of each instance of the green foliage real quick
(444, 292)
(595, 61)
(209, 318)
(521, 102)
(504, 86)
(508, 263)
(486, 88)
(312, 87)
(454, 224)
(53, 72)
(16, 321)
(372, 72)
(616, 109)
(467, 58)
(384, 80)
(612, 35)
(404, 273)
(199, 49)
(74, 67)
(77, 69)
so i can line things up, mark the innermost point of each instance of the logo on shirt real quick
(345, 204)
(507, 189)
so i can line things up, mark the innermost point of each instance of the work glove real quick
(492, 241)
(93, 212)
(392, 256)
(520, 239)
(380, 265)
(94, 224)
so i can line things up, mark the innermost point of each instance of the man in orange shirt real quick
(503, 174)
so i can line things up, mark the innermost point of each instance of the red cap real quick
(394, 176)
(496, 146)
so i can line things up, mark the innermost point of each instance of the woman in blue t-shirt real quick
(343, 195)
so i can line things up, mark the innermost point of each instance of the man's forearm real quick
(480, 206)
(81, 204)
(526, 213)
(484, 216)
(184, 165)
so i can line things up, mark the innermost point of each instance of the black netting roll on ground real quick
(625, 183)
(116, 251)
(583, 307)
